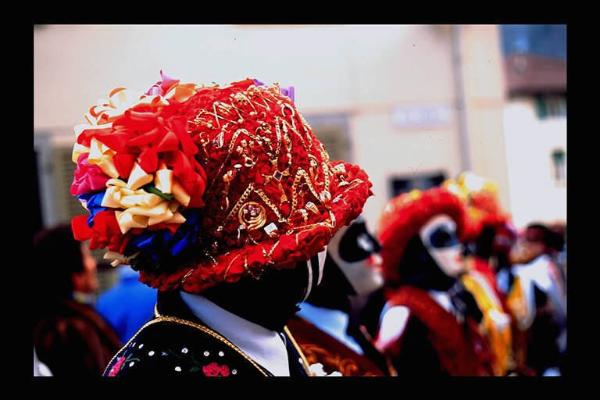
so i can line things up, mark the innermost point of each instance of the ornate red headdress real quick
(480, 197)
(195, 185)
(405, 215)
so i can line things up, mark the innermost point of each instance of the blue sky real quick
(545, 40)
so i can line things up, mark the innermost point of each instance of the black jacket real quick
(177, 343)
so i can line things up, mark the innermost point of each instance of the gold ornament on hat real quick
(252, 215)
(325, 196)
(312, 207)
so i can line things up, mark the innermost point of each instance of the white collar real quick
(333, 322)
(264, 346)
(443, 299)
(537, 270)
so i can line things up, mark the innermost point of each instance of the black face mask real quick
(442, 237)
(334, 290)
(345, 272)
(357, 243)
(269, 301)
(485, 242)
(419, 269)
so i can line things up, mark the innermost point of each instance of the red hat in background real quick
(233, 178)
(480, 196)
(405, 215)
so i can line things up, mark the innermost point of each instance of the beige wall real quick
(333, 67)
(385, 152)
(535, 194)
(484, 90)
(364, 71)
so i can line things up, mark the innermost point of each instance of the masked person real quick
(218, 196)
(538, 300)
(488, 240)
(430, 323)
(327, 327)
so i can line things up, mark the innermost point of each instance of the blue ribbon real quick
(93, 203)
(162, 243)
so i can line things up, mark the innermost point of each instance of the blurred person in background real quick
(538, 299)
(560, 246)
(128, 305)
(430, 323)
(327, 326)
(69, 336)
(487, 242)
(487, 236)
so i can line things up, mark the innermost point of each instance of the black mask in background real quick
(419, 269)
(269, 301)
(334, 290)
(485, 242)
(346, 272)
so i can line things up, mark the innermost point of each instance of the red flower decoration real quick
(117, 367)
(214, 369)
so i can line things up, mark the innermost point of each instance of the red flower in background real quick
(214, 369)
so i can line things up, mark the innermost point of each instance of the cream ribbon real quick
(102, 155)
(142, 209)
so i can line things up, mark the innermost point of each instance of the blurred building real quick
(535, 121)
(411, 104)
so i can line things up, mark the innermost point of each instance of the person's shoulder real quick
(394, 320)
(170, 349)
(67, 317)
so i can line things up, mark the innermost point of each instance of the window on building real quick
(403, 184)
(559, 164)
(332, 130)
(67, 206)
(549, 106)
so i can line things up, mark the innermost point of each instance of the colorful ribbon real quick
(93, 203)
(163, 245)
(87, 177)
(141, 208)
(136, 169)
